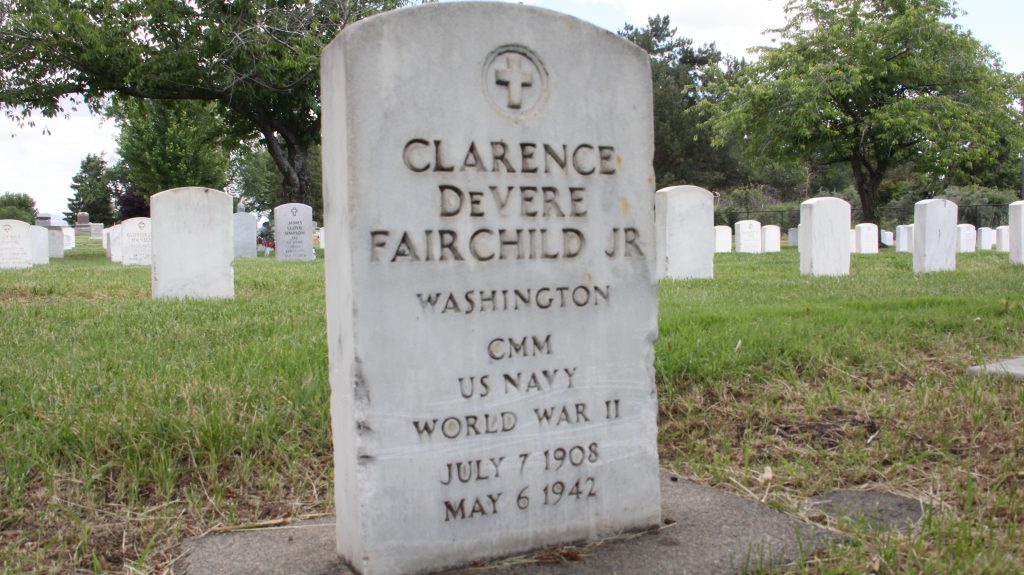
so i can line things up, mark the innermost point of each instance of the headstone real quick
(245, 234)
(40, 244)
(853, 241)
(137, 241)
(886, 238)
(193, 244)
(723, 239)
(935, 236)
(748, 236)
(904, 238)
(684, 219)
(43, 220)
(15, 244)
(56, 244)
(771, 239)
(491, 202)
(1003, 239)
(1017, 232)
(69, 238)
(95, 231)
(793, 237)
(322, 234)
(293, 232)
(82, 224)
(825, 237)
(105, 241)
(986, 239)
(866, 237)
(115, 243)
(966, 238)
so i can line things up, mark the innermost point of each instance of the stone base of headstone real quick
(1011, 367)
(705, 530)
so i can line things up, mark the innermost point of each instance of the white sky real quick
(43, 165)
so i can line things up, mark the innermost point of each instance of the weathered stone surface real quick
(491, 294)
(193, 244)
(935, 236)
(966, 239)
(748, 236)
(15, 244)
(40, 244)
(1011, 367)
(723, 239)
(825, 237)
(771, 239)
(684, 220)
(905, 238)
(878, 509)
(137, 242)
(866, 238)
(245, 235)
(293, 232)
(710, 532)
(1016, 232)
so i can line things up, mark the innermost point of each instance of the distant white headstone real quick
(56, 243)
(69, 238)
(986, 239)
(245, 235)
(793, 237)
(723, 239)
(105, 241)
(771, 239)
(137, 241)
(193, 244)
(866, 238)
(825, 237)
(1003, 239)
(96, 231)
(115, 243)
(293, 232)
(684, 221)
(1016, 232)
(935, 236)
(15, 244)
(966, 238)
(886, 238)
(748, 236)
(40, 238)
(321, 237)
(491, 206)
(905, 238)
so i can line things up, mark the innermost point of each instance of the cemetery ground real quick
(128, 425)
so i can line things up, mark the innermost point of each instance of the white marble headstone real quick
(293, 232)
(986, 239)
(748, 236)
(793, 237)
(15, 244)
(193, 244)
(866, 238)
(115, 244)
(1016, 231)
(40, 238)
(967, 238)
(245, 234)
(137, 241)
(69, 238)
(886, 238)
(825, 237)
(1003, 239)
(723, 239)
(96, 231)
(56, 243)
(684, 220)
(491, 288)
(771, 239)
(935, 236)
(905, 238)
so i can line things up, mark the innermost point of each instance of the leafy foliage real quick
(17, 207)
(93, 192)
(874, 84)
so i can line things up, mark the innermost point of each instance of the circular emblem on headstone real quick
(7, 228)
(515, 80)
(142, 225)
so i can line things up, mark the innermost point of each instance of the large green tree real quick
(258, 59)
(874, 84)
(93, 192)
(17, 207)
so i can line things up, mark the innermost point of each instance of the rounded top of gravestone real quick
(82, 217)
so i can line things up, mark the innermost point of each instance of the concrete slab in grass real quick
(707, 531)
(1011, 367)
(878, 509)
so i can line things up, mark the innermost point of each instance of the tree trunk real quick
(867, 179)
(290, 157)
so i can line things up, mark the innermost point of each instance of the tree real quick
(93, 192)
(170, 144)
(17, 207)
(874, 84)
(258, 59)
(254, 180)
(131, 201)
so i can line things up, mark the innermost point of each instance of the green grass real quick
(127, 425)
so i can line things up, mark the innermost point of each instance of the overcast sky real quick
(43, 165)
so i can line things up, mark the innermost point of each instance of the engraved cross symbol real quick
(295, 212)
(514, 78)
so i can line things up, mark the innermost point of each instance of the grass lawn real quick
(127, 424)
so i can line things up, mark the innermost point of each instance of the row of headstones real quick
(23, 245)
(685, 217)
